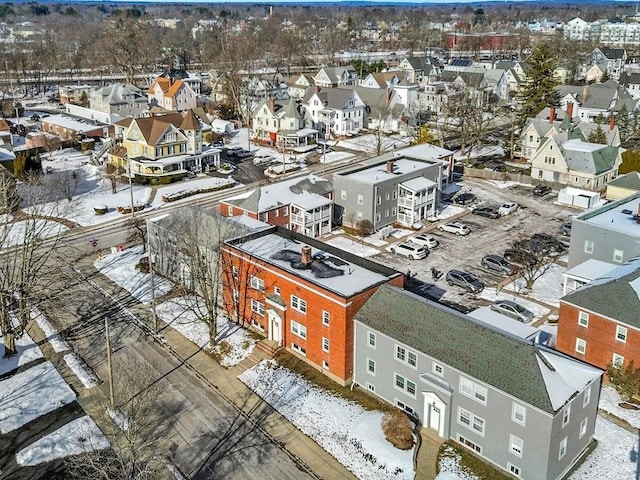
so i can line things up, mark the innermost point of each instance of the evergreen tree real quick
(605, 76)
(539, 91)
(623, 120)
(597, 136)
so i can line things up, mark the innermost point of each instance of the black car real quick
(464, 280)
(565, 229)
(465, 199)
(244, 154)
(541, 190)
(486, 212)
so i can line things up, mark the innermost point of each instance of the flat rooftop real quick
(619, 215)
(378, 173)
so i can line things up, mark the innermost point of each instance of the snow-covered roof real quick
(611, 216)
(71, 123)
(379, 173)
(504, 323)
(590, 270)
(418, 184)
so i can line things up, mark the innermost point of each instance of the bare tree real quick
(535, 256)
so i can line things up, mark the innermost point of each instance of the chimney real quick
(585, 92)
(305, 257)
(612, 122)
(389, 166)
(552, 114)
(570, 110)
(317, 89)
(272, 104)
(387, 96)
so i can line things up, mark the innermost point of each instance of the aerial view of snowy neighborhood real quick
(304, 241)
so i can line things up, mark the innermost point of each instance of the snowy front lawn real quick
(344, 429)
(27, 352)
(546, 289)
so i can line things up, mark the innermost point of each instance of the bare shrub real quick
(398, 429)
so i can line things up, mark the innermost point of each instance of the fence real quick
(488, 174)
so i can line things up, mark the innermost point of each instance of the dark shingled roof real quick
(508, 363)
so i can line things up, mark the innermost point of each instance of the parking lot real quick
(488, 236)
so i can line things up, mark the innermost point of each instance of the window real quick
(588, 246)
(583, 427)
(437, 369)
(563, 448)
(257, 283)
(298, 329)
(236, 295)
(617, 360)
(234, 272)
(378, 200)
(297, 348)
(326, 317)
(325, 344)
(405, 407)
(581, 346)
(519, 413)
(276, 290)
(587, 396)
(621, 334)
(401, 353)
(583, 319)
(618, 255)
(360, 199)
(372, 340)
(469, 444)
(473, 390)
(343, 194)
(471, 421)
(515, 445)
(566, 415)
(371, 366)
(513, 470)
(405, 385)
(371, 387)
(298, 304)
(257, 307)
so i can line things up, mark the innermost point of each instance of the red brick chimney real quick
(389, 166)
(570, 110)
(272, 104)
(387, 96)
(552, 114)
(305, 257)
(317, 89)
(612, 122)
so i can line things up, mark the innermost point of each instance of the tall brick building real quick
(301, 294)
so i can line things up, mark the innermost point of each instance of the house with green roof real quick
(525, 408)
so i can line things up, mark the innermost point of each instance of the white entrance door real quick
(275, 326)
(434, 412)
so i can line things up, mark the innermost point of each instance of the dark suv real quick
(464, 280)
(549, 241)
(486, 212)
(541, 190)
(465, 198)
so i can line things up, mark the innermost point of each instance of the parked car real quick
(455, 227)
(464, 280)
(513, 310)
(549, 241)
(244, 154)
(541, 190)
(486, 212)
(498, 264)
(508, 208)
(565, 229)
(218, 143)
(521, 257)
(323, 149)
(409, 250)
(465, 199)
(425, 240)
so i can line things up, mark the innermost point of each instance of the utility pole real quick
(130, 171)
(153, 292)
(112, 398)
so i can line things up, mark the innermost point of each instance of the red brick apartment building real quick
(301, 294)
(600, 322)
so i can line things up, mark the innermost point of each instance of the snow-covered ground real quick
(491, 294)
(353, 245)
(15, 233)
(27, 352)
(80, 369)
(344, 429)
(50, 333)
(547, 289)
(78, 436)
(369, 143)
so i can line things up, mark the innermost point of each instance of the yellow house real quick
(623, 186)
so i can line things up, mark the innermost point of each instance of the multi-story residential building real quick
(611, 33)
(402, 186)
(303, 205)
(600, 321)
(281, 122)
(623, 186)
(119, 99)
(194, 81)
(382, 79)
(75, 94)
(610, 233)
(336, 76)
(596, 100)
(301, 294)
(334, 111)
(300, 86)
(172, 95)
(612, 59)
(522, 407)
(577, 29)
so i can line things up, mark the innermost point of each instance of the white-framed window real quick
(406, 356)
(343, 194)
(234, 271)
(583, 319)
(276, 290)
(473, 390)
(617, 360)
(519, 413)
(298, 304)
(405, 385)
(403, 406)
(326, 318)
(437, 369)
(469, 444)
(371, 340)
(325, 344)
(618, 255)
(562, 451)
(621, 334)
(515, 445)
(588, 246)
(581, 346)
(401, 353)
(257, 307)
(471, 421)
(513, 470)
(360, 199)
(587, 396)
(235, 295)
(257, 283)
(371, 367)
(325, 365)
(297, 348)
(371, 387)
(566, 415)
(298, 329)
(583, 427)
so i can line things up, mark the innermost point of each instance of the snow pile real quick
(31, 394)
(56, 341)
(344, 429)
(450, 468)
(81, 370)
(350, 245)
(27, 352)
(610, 402)
(78, 436)
(122, 420)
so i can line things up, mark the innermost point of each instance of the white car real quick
(458, 228)
(507, 208)
(408, 249)
(424, 240)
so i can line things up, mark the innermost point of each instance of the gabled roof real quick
(621, 284)
(629, 180)
(587, 157)
(613, 53)
(115, 94)
(417, 63)
(536, 375)
(174, 89)
(162, 82)
(335, 98)
(153, 128)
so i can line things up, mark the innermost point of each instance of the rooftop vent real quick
(317, 266)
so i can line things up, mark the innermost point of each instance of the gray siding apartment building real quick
(403, 186)
(610, 233)
(527, 409)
